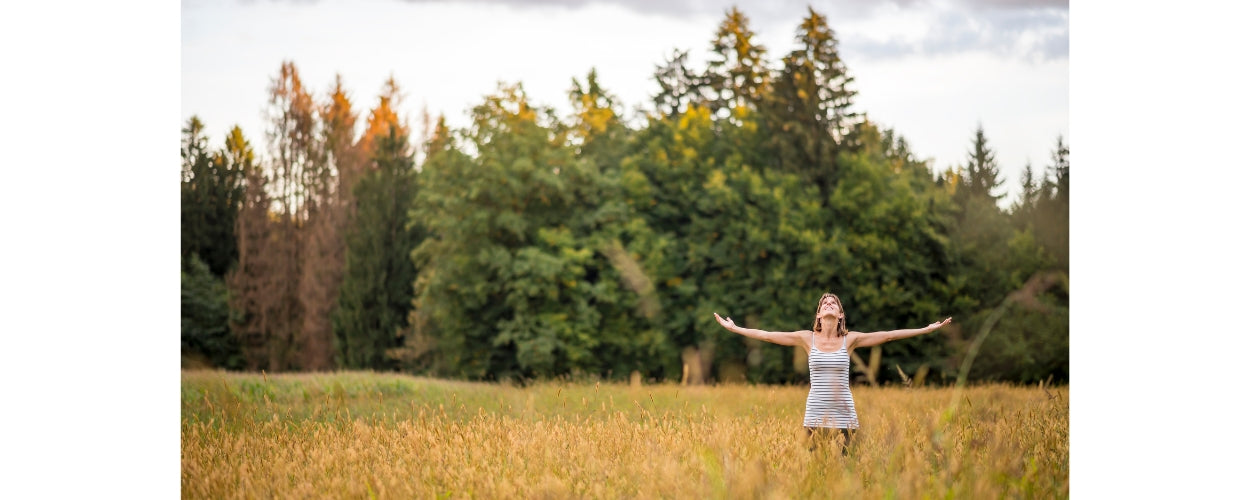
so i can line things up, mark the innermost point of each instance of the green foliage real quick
(1050, 219)
(1028, 345)
(809, 113)
(737, 75)
(212, 191)
(892, 221)
(996, 256)
(205, 316)
(531, 246)
(680, 85)
(516, 278)
(981, 176)
(376, 295)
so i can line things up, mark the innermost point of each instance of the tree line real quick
(531, 245)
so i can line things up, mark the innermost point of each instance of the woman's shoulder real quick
(806, 334)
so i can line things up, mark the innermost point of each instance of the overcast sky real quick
(932, 70)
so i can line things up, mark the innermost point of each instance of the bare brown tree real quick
(248, 281)
(330, 202)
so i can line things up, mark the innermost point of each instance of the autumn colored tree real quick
(268, 294)
(251, 281)
(329, 207)
(383, 117)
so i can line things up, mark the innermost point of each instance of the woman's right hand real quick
(725, 322)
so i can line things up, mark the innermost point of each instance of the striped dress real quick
(829, 402)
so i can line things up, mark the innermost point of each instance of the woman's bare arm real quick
(782, 338)
(858, 339)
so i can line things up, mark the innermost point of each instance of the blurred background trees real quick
(534, 245)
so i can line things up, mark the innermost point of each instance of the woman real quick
(830, 408)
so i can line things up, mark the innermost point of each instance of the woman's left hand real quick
(935, 326)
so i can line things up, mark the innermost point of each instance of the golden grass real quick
(363, 435)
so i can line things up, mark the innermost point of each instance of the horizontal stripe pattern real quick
(829, 401)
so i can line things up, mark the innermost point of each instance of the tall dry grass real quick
(359, 435)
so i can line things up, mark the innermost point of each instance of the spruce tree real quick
(981, 174)
(737, 74)
(680, 86)
(376, 294)
(809, 113)
(212, 190)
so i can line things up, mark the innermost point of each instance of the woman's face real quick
(829, 307)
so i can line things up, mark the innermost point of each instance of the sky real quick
(931, 70)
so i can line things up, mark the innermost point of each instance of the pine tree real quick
(981, 174)
(597, 132)
(206, 318)
(1059, 171)
(376, 295)
(383, 117)
(1052, 212)
(212, 190)
(737, 74)
(809, 115)
(680, 86)
(1023, 209)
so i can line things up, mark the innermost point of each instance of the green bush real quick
(206, 316)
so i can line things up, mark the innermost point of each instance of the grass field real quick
(364, 435)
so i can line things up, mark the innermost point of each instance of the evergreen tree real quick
(597, 131)
(737, 74)
(1052, 213)
(809, 115)
(206, 318)
(680, 86)
(376, 294)
(383, 117)
(981, 174)
(1059, 171)
(1022, 211)
(212, 190)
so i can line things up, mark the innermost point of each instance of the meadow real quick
(371, 435)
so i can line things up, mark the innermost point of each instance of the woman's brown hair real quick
(841, 331)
